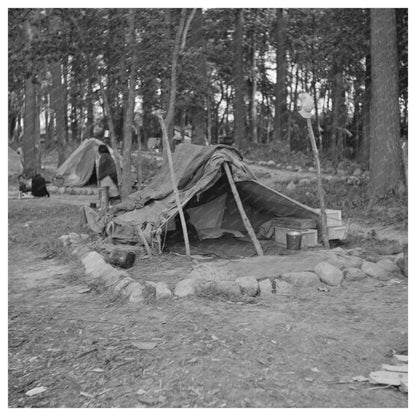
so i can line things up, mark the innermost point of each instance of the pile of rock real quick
(338, 268)
(210, 279)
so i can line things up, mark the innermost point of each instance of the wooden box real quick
(295, 223)
(337, 232)
(333, 216)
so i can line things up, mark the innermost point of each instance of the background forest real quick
(218, 75)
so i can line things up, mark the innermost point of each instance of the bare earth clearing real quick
(87, 349)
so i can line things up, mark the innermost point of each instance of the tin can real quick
(293, 240)
(103, 198)
(123, 259)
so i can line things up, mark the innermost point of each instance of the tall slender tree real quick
(280, 89)
(239, 84)
(385, 113)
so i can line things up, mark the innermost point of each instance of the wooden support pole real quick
(320, 187)
(243, 214)
(144, 241)
(174, 185)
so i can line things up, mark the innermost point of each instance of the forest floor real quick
(88, 349)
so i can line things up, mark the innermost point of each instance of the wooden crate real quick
(337, 232)
(295, 223)
(333, 217)
(309, 237)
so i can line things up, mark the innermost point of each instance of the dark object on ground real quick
(39, 186)
(123, 259)
(23, 184)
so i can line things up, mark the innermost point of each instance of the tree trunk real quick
(90, 107)
(239, 104)
(128, 116)
(292, 139)
(385, 172)
(280, 91)
(166, 81)
(149, 101)
(29, 159)
(253, 105)
(64, 90)
(50, 125)
(199, 112)
(336, 115)
(179, 45)
(37, 130)
(58, 105)
(366, 138)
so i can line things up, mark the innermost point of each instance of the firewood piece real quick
(396, 368)
(390, 378)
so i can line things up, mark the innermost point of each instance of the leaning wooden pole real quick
(320, 187)
(174, 186)
(243, 214)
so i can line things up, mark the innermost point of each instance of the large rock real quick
(135, 292)
(350, 261)
(376, 271)
(304, 182)
(225, 288)
(301, 279)
(335, 261)
(248, 285)
(353, 274)
(389, 266)
(265, 288)
(329, 274)
(186, 287)
(291, 186)
(284, 288)
(400, 261)
(162, 290)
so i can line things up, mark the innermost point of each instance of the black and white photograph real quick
(207, 206)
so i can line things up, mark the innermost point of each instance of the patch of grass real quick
(39, 227)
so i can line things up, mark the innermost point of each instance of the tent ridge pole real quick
(243, 214)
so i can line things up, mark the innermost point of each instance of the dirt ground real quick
(88, 349)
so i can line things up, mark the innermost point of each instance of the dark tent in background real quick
(80, 167)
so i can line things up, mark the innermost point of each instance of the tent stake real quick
(243, 214)
(174, 186)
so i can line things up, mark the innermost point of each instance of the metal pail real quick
(293, 240)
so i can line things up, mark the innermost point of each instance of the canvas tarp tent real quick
(15, 166)
(205, 195)
(80, 168)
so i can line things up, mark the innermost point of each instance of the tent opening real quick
(93, 178)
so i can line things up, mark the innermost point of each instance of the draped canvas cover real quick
(204, 193)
